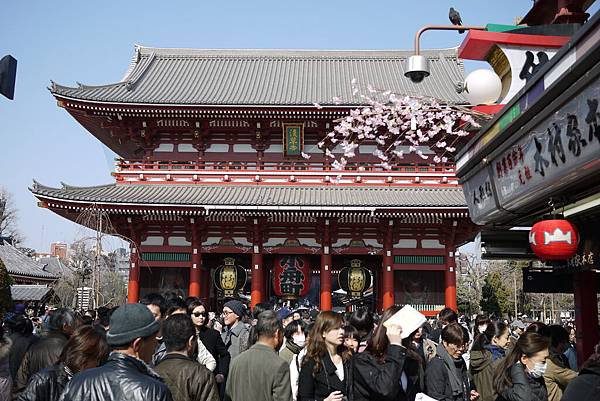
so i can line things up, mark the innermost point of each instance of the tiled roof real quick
(54, 265)
(20, 264)
(269, 77)
(29, 292)
(260, 195)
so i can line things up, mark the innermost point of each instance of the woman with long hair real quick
(87, 348)
(446, 377)
(209, 339)
(488, 349)
(520, 375)
(326, 372)
(378, 371)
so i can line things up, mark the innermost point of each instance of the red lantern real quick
(291, 276)
(554, 240)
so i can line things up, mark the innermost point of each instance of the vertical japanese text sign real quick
(293, 139)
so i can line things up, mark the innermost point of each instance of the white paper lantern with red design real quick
(554, 239)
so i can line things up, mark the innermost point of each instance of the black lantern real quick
(354, 279)
(229, 278)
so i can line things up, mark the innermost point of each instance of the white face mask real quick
(299, 340)
(539, 368)
(482, 328)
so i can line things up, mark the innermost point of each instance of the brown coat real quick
(557, 377)
(187, 379)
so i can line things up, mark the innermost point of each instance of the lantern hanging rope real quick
(396, 123)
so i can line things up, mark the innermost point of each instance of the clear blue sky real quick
(92, 42)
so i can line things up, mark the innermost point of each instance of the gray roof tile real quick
(29, 292)
(269, 77)
(19, 264)
(260, 195)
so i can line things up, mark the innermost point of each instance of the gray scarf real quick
(454, 375)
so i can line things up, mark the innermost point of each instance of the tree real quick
(6, 302)
(495, 297)
(471, 271)
(8, 218)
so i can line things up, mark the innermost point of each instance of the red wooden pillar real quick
(133, 285)
(378, 289)
(205, 283)
(195, 268)
(586, 313)
(326, 266)
(387, 273)
(258, 288)
(450, 278)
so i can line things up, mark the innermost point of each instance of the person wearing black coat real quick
(85, 349)
(378, 371)
(446, 377)
(20, 332)
(586, 386)
(326, 373)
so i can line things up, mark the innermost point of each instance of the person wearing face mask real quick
(488, 350)
(520, 375)
(558, 374)
(326, 373)
(295, 339)
(446, 377)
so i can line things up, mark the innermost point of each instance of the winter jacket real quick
(187, 379)
(258, 374)
(122, 378)
(557, 376)
(482, 369)
(413, 377)
(236, 339)
(288, 352)
(525, 387)
(20, 345)
(213, 342)
(447, 378)
(318, 386)
(40, 355)
(295, 367)
(47, 384)
(379, 381)
(5, 377)
(586, 386)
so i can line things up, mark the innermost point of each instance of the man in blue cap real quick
(125, 376)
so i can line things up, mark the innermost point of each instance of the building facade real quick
(211, 167)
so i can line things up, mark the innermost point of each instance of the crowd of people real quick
(168, 348)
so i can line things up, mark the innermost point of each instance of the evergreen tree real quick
(6, 302)
(495, 297)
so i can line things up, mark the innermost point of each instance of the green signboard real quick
(293, 139)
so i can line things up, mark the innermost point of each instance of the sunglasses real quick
(198, 314)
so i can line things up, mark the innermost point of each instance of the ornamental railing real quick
(300, 171)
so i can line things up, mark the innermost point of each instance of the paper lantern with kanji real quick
(291, 276)
(229, 278)
(554, 239)
(354, 279)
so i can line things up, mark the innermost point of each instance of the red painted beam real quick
(477, 44)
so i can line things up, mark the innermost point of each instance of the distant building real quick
(121, 259)
(59, 249)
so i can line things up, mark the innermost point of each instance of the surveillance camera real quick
(417, 68)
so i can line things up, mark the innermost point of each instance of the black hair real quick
(61, 317)
(21, 325)
(455, 334)
(539, 328)
(448, 315)
(363, 322)
(176, 332)
(104, 314)
(268, 324)
(351, 332)
(292, 328)
(155, 299)
(87, 320)
(260, 308)
(558, 335)
(494, 329)
(174, 304)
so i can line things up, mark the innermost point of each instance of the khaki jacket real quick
(557, 377)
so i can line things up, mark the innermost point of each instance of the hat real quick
(20, 309)
(518, 324)
(131, 321)
(284, 313)
(236, 307)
